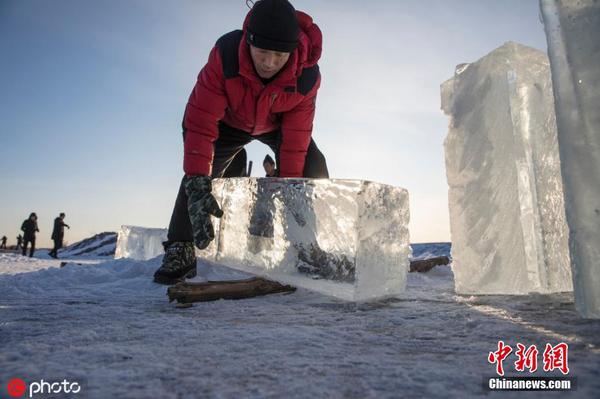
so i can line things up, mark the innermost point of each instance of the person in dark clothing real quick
(3, 245)
(58, 233)
(269, 165)
(260, 83)
(19, 241)
(29, 228)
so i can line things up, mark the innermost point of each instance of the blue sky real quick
(92, 95)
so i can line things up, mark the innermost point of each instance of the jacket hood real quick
(309, 48)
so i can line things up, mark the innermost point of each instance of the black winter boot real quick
(178, 263)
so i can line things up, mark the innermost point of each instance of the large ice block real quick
(141, 243)
(573, 34)
(509, 234)
(345, 238)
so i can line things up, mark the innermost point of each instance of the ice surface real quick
(508, 228)
(573, 33)
(140, 243)
(346, 238)
(103, 324)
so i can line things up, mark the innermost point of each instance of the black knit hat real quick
(273, 26)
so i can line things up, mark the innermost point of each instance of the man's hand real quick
(201, 204)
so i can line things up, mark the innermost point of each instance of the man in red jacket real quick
(259, 83)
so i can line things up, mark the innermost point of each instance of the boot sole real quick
(170, 280)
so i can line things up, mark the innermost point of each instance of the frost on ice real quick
(573, 34)
(345, 238)
(507, 221)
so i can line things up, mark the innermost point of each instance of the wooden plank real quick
(213, 290)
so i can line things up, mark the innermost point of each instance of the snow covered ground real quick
(106, 325)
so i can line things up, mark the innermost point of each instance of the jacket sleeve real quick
(296, 131)
(205, 107)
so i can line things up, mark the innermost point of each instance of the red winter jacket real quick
(229, 90)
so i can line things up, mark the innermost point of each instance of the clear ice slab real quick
(507, 220)
(343, 238)
(573, 35)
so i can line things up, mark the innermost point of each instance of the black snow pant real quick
(32, 249)
(57, 245)
(237, 167)
(229, 143)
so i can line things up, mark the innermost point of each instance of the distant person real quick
(3, 245)
(29, 228)
(58, 233)
(19, 242)
(269, 165)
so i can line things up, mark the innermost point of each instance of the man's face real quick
(268, 62)
(269, 168)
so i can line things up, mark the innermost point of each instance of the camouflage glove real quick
(201, 204)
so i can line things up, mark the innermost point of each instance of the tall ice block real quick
(573, 34)
(509, 234)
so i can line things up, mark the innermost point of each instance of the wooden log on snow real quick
(213, 290)
(425, 265)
